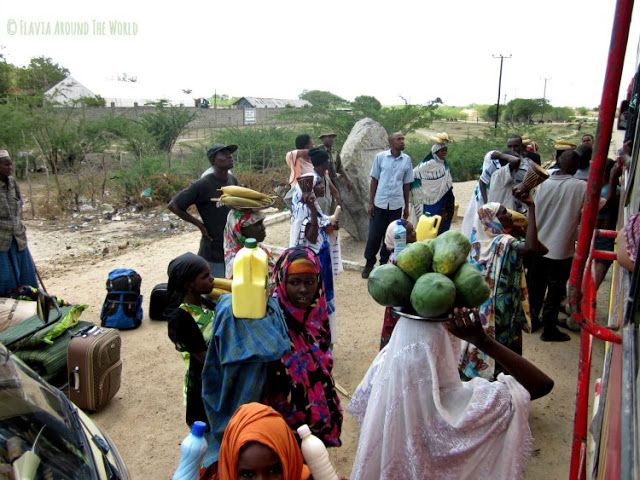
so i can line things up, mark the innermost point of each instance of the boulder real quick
(366, 139)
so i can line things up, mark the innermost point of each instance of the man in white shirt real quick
(558, 206)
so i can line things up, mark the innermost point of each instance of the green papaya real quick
(433, 295)
(450, 250)
(415, 259)
(471, 288)
(390, 286)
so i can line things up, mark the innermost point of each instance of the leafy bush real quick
(260, 148)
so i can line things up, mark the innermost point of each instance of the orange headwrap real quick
(254, 422)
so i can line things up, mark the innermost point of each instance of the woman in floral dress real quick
(300, 386)
(497, 253)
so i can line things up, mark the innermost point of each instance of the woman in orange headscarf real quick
(258, 442)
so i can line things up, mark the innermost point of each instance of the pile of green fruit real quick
(431, 277)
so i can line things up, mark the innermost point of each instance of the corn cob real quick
(222, 283)
(518, 219)
(240, 202)
(242, 192)
(216, 293)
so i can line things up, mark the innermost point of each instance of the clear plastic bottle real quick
(192, 450)
(316, 456)
(399, 238)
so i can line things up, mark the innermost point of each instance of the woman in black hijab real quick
(190, 324)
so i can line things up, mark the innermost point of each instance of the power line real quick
(501, 57)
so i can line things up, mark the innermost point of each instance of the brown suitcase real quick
(94, 366)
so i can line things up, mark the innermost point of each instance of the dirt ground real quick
(146, 418)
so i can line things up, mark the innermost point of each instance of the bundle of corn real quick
(221, 286)
(243, 198)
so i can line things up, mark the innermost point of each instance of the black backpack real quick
(122, 307)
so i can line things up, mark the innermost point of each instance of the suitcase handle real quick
(74, 379)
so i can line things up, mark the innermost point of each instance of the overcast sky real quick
(415, 49)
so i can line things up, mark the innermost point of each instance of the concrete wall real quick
(205, 117)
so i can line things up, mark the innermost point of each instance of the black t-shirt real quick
(213, 216)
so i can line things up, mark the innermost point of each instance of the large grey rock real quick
(366, 139)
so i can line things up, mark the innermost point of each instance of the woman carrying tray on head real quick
(419, 420)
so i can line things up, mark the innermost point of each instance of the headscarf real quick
(436, 147)
(254, 422)
(632, 235)
(309, 396)
(419, 420)
(184, 269)
(315, 314)
(486, 227)
(233, 238)
(432, 178)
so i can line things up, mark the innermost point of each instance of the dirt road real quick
(146, 418)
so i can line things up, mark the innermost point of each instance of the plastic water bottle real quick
(399, 238)
(192, 450)
(316, 456)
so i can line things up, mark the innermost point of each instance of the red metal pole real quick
(608, 104)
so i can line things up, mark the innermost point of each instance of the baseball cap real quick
(220, 147)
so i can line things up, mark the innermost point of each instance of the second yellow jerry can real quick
(427, 227)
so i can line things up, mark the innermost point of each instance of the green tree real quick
(487, 112)
(7, 72)
(166, 124)
(96, 101)
(446, 112)
(523, 109)
(40, 75)
(366, 106)
(322, 98)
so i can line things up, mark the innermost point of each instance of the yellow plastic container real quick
(428, 227)
(249, 285)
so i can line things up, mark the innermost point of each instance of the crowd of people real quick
(284, 361)
(462, 383)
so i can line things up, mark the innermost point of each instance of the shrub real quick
(261, 148)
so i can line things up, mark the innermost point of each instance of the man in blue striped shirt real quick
(391, 176)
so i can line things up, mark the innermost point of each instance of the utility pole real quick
(501, 57)
(544, 97)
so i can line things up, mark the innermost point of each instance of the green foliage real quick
(405, 118)
(488, 112)
(259, 148)
(41, 74)
(151, 171)
(15, 125)
(366, 105)
(446, 112)
(96, 101)
(7, 72)
(166, 124)
(222, 100)
(522, 110)
(321, 98)
(560, 114)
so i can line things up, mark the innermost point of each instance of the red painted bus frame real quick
(583, 310)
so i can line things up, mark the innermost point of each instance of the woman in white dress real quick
(419, 420)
